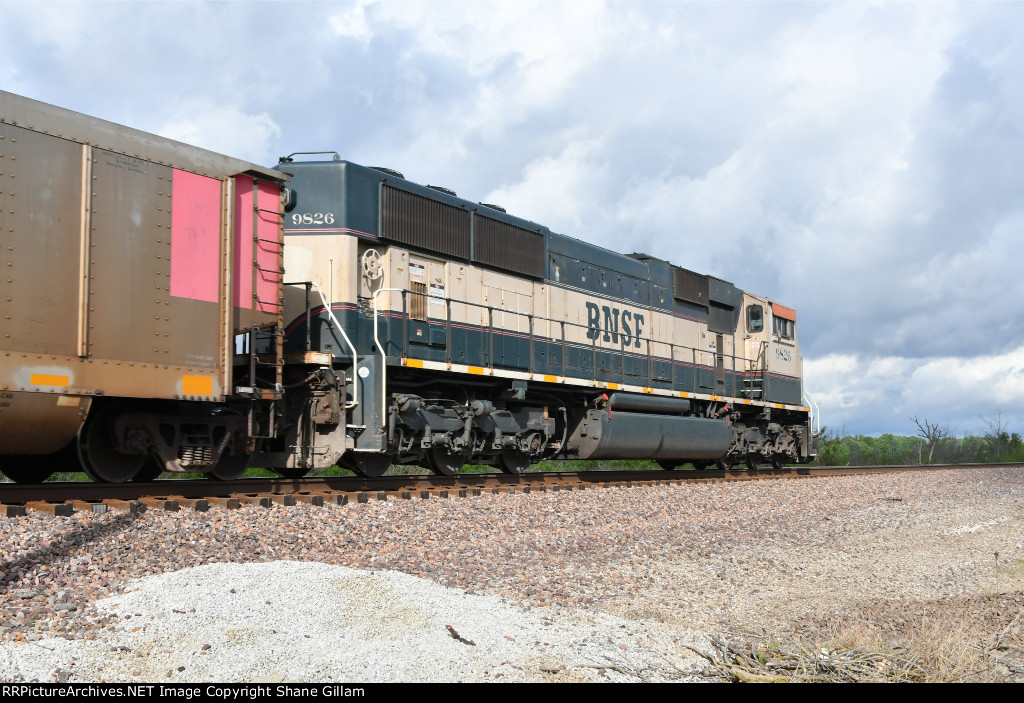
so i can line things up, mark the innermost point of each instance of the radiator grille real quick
(689, 286)
(424, 223)
(508, 247)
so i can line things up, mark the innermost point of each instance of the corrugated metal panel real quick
(508, 247)
(424, 223)
(689, 286)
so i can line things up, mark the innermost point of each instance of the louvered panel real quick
(424, 223)
(689, 286)
(508, 247)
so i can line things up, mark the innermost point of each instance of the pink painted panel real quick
(195, 236)
(266, 225)
(242, 278)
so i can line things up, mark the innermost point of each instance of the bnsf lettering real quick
(630, 324)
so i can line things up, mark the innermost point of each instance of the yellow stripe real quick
(613, 386)
(197, 385)
(474, 369)
(415, 363)
(44, 379)
(551, 379)
(684, 394)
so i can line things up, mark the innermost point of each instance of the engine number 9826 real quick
(313, 218)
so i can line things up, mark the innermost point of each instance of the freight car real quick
(130, 265)
(411, 327)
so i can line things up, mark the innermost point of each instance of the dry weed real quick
(944, 647)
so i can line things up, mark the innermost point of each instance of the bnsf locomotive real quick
(171, 309)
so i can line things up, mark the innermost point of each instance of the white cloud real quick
(352, 22)
(878, 394)
(556, 190)
(223, 128)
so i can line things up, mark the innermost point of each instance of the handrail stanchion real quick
(332, 318)
(383, 353)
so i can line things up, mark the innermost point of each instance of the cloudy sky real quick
(860, 162)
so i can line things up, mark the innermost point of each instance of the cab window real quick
(783, 327)
(755, 318)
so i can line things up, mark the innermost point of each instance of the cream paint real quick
(514, 299)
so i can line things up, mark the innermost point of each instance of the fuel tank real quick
(625, 435)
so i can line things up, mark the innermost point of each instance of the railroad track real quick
(66, 498)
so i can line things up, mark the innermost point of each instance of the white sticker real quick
(418, 272)
(436, 294)
(364, 372)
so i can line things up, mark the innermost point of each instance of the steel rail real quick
(175, 493)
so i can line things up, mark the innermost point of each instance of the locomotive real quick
(172, 309)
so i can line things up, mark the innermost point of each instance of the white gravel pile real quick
(312, 622)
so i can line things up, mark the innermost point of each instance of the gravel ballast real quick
(596, 585)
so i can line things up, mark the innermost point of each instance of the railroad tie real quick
(228, 503)
(58, 509)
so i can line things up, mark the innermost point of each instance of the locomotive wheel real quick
(230, 467)
(778, 461)
(667, 464)
(26, 468)
(700, 465)
(372, 465)
(753, 461)
(511, 461)
(100, 461)
(443, 462)
(725, 463)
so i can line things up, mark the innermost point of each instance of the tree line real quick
(933, 444)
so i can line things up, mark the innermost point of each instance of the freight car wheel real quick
(512, 462)
(372, 465)
(700, 465)
(100, 461)
(443, 462)
(725, 463)
(294, 472)
(753, 461)
(150, 471)
(230, 467)
(25, 468)
(778, 461)
(667, 464)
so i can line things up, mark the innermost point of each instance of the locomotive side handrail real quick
(816, 415)
(491, 309)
